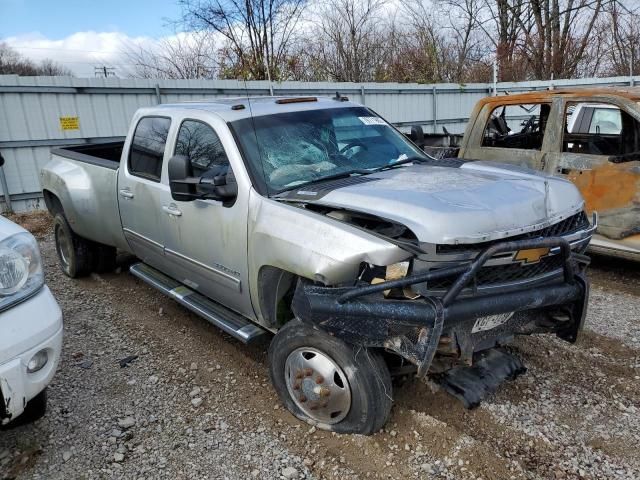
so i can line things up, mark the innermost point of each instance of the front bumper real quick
(33, 325)
(416, 329)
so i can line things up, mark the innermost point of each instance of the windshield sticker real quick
(372, 121)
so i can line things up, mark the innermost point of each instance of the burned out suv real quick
(315, 220)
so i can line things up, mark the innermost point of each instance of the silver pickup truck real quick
(315, 220)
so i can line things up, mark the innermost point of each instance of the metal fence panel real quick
(31, 108)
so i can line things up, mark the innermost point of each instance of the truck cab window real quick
(147, 147)
(600, 129)
(202, 146)
(517, 126)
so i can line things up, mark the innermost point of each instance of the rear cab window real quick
(147, 147)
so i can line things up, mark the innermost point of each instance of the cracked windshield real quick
(291, 149)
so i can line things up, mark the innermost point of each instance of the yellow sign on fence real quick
(69, 123)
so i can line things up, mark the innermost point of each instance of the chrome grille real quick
(504, 274)
(509, 273)
(569, 225)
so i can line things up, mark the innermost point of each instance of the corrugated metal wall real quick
(31, 107)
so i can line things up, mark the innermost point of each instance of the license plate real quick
(490, 322)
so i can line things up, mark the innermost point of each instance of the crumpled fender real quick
(310, 245)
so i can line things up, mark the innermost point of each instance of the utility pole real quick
(104, 71)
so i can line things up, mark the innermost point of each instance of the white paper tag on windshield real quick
(372, 121)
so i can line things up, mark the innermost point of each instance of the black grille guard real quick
(325, 306)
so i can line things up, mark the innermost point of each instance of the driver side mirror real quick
(185, 187)
(224, 184)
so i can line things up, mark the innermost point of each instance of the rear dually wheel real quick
(74, 252)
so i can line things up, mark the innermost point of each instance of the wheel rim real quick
(63, 246)
(317, 385)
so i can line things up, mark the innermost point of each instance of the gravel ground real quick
(195, 403)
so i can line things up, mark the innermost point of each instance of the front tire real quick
(329, 383)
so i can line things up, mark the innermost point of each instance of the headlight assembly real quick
(20, 269)
(395, 271)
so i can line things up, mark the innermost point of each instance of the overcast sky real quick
(83, 34)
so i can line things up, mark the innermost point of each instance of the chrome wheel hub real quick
(63, 245)
(317, 385)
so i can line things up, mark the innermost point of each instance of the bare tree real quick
(257, 33)
(178, 57)
(423, 51)
(53, 69)
(622, 39)
(349, 39)
(504, 22)
(11, 62)
(404, 41)
(541, 39)
(557, 44)
(434, 42)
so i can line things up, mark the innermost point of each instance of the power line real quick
(63, 49)
(92, 63)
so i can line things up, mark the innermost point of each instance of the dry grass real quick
(38, 222)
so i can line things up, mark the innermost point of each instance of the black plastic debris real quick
(472, 384)
(127, 360)
(86, 364)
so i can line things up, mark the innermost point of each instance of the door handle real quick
(171, 210)
(126, 193)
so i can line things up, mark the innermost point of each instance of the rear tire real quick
(104, 258)
(357, 398)
(74, 252)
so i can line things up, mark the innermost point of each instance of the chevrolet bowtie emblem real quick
(531, 255)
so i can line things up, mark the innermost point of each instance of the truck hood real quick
(477, 202)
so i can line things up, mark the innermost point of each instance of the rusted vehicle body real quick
(589, 136)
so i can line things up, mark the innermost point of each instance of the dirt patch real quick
(38, 223)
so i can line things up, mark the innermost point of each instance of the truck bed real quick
(105, 154)
(84, 179)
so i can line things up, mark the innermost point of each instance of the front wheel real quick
(329, 383)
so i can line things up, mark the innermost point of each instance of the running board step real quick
(223, 318)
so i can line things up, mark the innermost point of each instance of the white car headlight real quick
(20, 268)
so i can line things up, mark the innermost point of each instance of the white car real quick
(30, 327)
(600, 118)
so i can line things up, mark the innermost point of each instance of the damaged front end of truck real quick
(449, 310)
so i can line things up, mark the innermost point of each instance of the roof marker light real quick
(283, 101)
